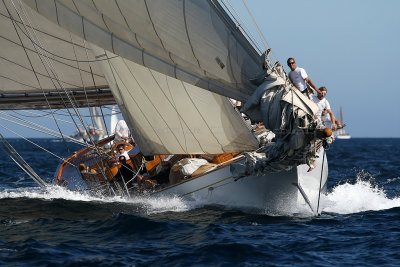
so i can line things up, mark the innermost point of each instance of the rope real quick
(220, 181)
(242, 25)
(263, 40)
(13, 154)
(33, 143)
(320, 182)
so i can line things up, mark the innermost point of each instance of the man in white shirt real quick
(323, 104)
(121, 152)
(122, 132)
(299, 77)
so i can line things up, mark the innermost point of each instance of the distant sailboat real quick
(341, 133)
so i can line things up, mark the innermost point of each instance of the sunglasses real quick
(120, 149)
(291, 63)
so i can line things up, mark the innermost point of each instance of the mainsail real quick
(40, 62)
(193, 41)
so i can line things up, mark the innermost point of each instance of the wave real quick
(364, 194)
(150, 204)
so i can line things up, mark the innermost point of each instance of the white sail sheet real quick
(169, 116)
(191, 40)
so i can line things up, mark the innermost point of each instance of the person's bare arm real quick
(308, 80)
(333, 120)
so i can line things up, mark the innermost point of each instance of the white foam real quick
(362, 195)
(151, 204)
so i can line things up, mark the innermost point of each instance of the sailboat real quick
(341, 133)
(171, 67)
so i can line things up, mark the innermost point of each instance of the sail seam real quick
(148, 121)
(41, 74)
(187, 32)
(201, 115)
(180, 117)
(176, 109)
(155, 31)
(159, 113)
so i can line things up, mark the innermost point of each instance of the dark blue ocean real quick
(359, 225)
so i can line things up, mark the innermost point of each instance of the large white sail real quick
(193, 41)
(70, 66)
(169, 116)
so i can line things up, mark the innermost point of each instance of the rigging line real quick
(320, 182)
(94, 83)
(55, 37)
(23, 67)
(201, 115)
(204, 187)
(49, 131)
(87, 100)
(257, 28)
(37, 115)
(264, 41)
(242, 25)
(17, 157)
(150, 100)
(33, 69)
(51, 67)
(33, 143)
(23, 168)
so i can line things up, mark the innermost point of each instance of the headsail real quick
(169, 116)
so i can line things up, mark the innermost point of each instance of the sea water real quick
(53, 226)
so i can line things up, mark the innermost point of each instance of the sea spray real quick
(149, 204)
(362, 195)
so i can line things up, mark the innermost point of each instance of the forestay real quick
(169, 116)
(190, 40)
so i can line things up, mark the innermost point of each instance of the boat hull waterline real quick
(274, 192)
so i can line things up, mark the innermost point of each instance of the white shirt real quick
(322, 104)
(327, 120)
(121, 130)
(125, 153)
(298, 77)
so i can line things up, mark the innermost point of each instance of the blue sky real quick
(349, 46)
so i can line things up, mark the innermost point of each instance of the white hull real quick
(347, 136)
(276, 192)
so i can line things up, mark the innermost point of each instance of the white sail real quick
(169, 116)
(113, 119)
(69, 65)
(193, 41)
(98, 120)
(341, 133)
